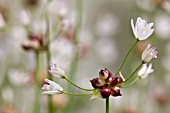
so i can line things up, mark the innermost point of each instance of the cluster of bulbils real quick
(107, 83)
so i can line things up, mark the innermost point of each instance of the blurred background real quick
(103, 37)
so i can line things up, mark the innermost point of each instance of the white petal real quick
(147, 34)
(51, 92)
(142, 70)
(149, 70)
(133, 28)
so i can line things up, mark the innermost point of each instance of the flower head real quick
(141, 29)
(107, 84)
(56, 71)
(145, 71)
(51, 88)
(34, 42)
(149, 53)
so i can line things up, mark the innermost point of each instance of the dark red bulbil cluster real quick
(34, 42)
(108, 84)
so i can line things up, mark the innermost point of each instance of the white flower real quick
(51, 88)
(2, 21)
(149, 53)
(58, 8)
(145, 71)
(56, 71)
(24, 17)
(141, 29)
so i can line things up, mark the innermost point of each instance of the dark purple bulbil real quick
(105, 92)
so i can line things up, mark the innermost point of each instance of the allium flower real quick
(149, 53)
(56, 71)
(34, 42)
(145, 71)
(51, 88)
(107, 84)
(141, 29)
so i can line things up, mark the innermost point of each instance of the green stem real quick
(74, 63)
(48, 58)
(77, 85)
(76, 94)
(134, 72)
(37, 86)
(107, 105)
(134, 81)
(126, 57)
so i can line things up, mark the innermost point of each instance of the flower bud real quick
(34, 42)
(120, 78)
(56, 71)
(103, 74)
(97, 82)
(115, 92)
(105, 92)
(109, 78)
(113, 81)
(149, 53)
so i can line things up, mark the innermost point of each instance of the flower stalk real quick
(76, 94)
(48, 59)
(133, 82)
(134, 72)
(77, 85)
(37, 85)
(107, 105)
(126, 57)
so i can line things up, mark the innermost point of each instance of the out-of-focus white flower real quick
(2, 21)
(39, 26)
(141, 29)
(145, 71)
(161, 26)
(166, 5)
(8, 94)
(146, 5)
(51, 88)
(56, 71)
(62, 53)
(24, 17)
(18, 78)
(149, 53)
(107, 25)
(106, 47)
(58, 8)
(67, 23)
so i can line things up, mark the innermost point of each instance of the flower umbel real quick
(145, 71)
(51, 88)
(141, 29)
(107, 83)
(149, 53)
(56, 71)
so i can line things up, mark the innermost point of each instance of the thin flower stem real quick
(77, 85)
(76, 94)
(126, 57)
(37, 86)
(107, 105)
(48, 58)
(134, 81)
(74, 63)
(134, 72)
